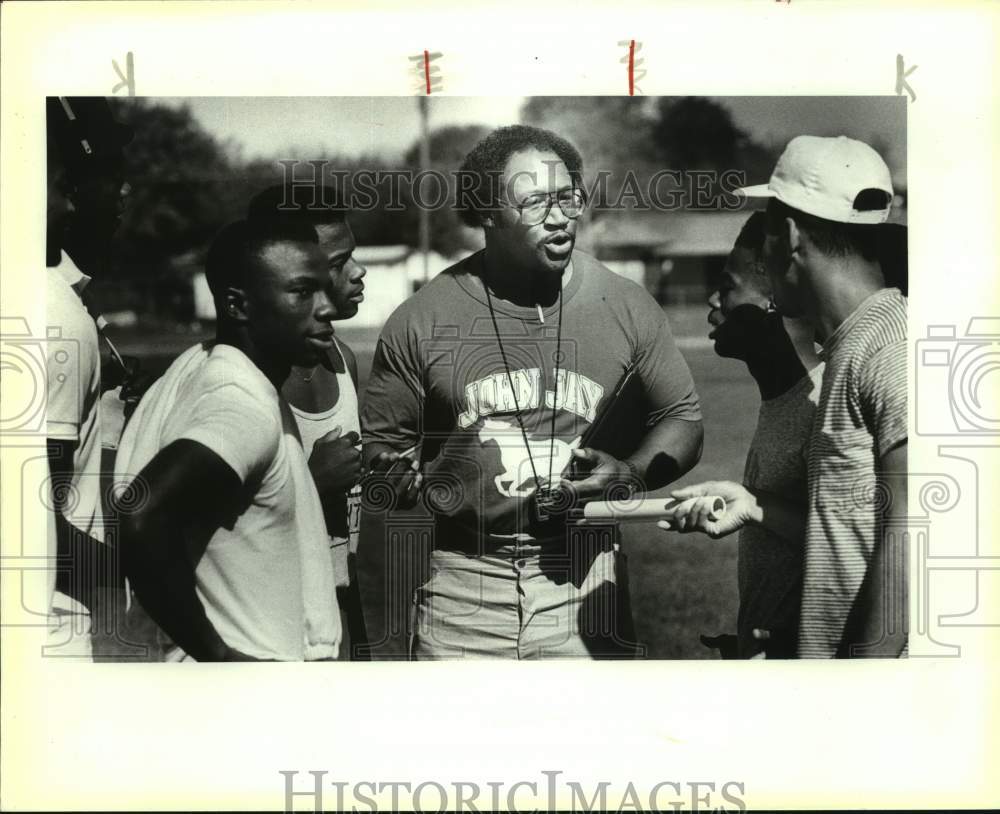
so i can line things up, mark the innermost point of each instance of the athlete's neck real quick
(312, 388)
(773, 359)
(275, 370)
(836, 288)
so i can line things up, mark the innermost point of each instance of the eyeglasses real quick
(535, 208)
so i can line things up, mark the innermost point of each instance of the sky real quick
(779, 118)
(351, 125)
(388, 125)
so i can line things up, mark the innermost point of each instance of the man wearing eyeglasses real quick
(492, 374)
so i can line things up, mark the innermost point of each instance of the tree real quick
(696, 133)
(448, 148)
(612, 133)
(182, 187)
(693, 132)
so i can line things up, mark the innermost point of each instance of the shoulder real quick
(876, 339)
(163, 392)
(883, 324)
(438, 297)
(66, 311)
(628, 302)
(228, 405)
(884, 369)
(345, 350)
(890, 307)
(350, 360)
(598, 276)
(222, 370)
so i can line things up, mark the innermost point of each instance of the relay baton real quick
(642, 509)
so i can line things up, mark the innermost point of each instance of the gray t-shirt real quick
(439, 380)
(770, 567)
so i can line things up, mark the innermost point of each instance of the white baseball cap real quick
(825, 176)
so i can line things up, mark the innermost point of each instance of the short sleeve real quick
(63, 411)
(236, 426)
(664, 373)
(395, 394)
(882, 393)
(72, 369)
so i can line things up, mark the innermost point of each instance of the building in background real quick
(679, 255)
(394, 273)
(676, 255)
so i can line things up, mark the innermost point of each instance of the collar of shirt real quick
(74, 278)
(474, 284)
(848, 324)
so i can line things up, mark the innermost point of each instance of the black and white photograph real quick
(479, 378)
(508, 408)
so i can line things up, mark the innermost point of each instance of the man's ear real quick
(487, 220)
(235, 304)
(794, 236)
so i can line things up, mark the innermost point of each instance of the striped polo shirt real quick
(860, 416)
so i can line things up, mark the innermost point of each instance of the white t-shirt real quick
(73, 376)
(73, 408)
(266, 583)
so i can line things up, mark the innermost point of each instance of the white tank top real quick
(312, 427)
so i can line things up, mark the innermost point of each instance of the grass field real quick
(680, 586)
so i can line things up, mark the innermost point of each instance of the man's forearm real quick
(669, 449)
(877, 625)
(165, 584)
(83, 564)
(880, 626)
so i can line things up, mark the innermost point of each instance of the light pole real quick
(425, 164)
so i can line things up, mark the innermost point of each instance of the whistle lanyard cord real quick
(555, 387)
(513, 390)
